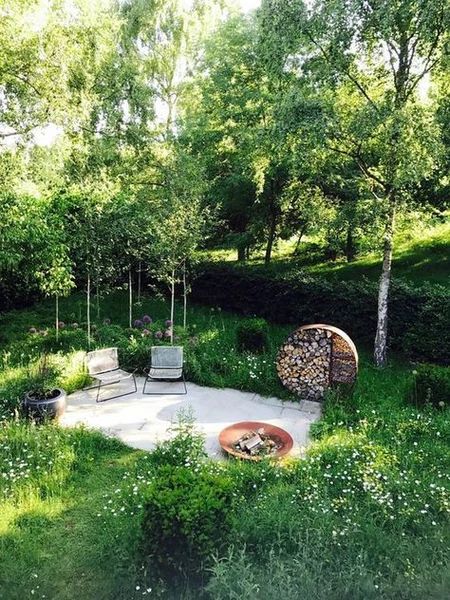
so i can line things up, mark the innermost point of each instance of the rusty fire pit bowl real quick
(231, 434)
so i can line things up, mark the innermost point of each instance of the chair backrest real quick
(167, 356)
(103, 360)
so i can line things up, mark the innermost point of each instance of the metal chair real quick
(166, 364)
(103, 365)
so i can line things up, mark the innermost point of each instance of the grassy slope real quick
(419, 256)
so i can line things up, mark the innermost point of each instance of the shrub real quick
(186, 519)
(252, 335)
(418, 316)
(431, 385)
(426, 340)
(185, 449)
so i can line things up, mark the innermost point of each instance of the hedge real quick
(419, 317)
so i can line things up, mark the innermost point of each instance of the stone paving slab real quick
(141, 420)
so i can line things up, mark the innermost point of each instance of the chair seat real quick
(162, 373)
(111, 376)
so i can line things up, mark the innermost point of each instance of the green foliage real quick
(426, 340)
(185, 448)
(431, 385)
(252, 335)
(186, 519)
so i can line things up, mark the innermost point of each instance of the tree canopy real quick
(134, 133)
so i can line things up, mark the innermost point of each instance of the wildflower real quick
(32, 330)
(106, 321)
(158, 335)
(147, 319)
(169, 323)
(61, 325)
(75, 325)
(138, 324)
(167, 333)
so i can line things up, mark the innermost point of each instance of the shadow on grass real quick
(59, 546)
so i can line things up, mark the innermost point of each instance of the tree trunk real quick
(57, 315)
(350, 249)
(172, 306)
(299, 239)
(380, 349)
(139, 281)
(241, 253)
(270, 240)
(184, 297)
(88, 309)
(97, 301)
(130, 298)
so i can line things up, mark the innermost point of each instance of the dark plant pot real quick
(40, 408)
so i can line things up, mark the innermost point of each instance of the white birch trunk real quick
(57, 316)
(380, 349)
(130, 296)
(88, 309)
(97, 298)
(184, 296)
(139, 281)
(172, 307)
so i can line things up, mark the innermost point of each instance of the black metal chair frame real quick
(100, 385)
(149, 379)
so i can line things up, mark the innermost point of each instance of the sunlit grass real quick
(421, 253)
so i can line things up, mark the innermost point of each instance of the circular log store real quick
(316, 357)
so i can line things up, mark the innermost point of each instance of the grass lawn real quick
(419, 255)
(364, 515)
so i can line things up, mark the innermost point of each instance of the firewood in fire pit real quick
(257, 443)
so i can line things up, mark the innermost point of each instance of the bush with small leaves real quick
(252, 335)
(431, 385)
(186, 520)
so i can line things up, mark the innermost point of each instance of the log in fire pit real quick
(253, 440)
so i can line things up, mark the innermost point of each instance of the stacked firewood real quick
(303, 362)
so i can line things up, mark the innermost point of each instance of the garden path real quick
(141, 421)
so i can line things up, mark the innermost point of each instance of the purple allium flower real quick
(138, 324)
(167, 333)
(106, 321)
(158, 335)
(146, 332)
(147, 320)
(75, 325)
(61, 325)
(32, 330)
(169, 323)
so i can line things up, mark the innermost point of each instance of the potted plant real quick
(43, 400)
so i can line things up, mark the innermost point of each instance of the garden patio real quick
(141, 421)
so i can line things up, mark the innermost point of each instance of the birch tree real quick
(384, 53)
